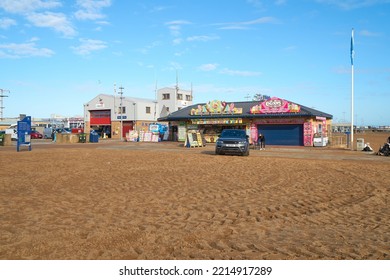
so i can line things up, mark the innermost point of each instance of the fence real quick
(338, 141)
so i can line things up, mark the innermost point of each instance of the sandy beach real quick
(115, 200)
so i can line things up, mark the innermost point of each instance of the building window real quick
(188, 97)
(166, 96)
(147, 110)
(123, 111)
(167, 109)
(179, 96)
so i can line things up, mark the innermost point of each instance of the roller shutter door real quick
(100, 117)
(288, 135)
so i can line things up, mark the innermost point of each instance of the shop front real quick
(281, 122)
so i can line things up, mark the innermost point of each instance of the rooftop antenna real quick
(247, 97)
(177, 83)
(192, 94)
(2, 91)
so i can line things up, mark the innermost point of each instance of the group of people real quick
(260, 143)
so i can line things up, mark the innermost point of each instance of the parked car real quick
(63, 130)
(36, 135)
(232, 141)
(319, 140)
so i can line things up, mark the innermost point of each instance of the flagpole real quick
(352, 86)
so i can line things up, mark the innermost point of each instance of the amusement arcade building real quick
(281, 122)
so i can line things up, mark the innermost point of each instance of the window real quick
(166, 96)
(179, 96)
(188, 97)
(167, 109)
(123, 111)
(147, 110)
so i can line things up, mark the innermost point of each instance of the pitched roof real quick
(184, 113)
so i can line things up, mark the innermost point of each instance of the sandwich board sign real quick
(24, 133)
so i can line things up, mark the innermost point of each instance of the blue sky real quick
(56, 55)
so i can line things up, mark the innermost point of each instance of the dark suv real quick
(232, 141)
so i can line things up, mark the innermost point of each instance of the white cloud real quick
(290, 48)
(175, 66)
(56, 21)
(175, 26)
(94, 4)
(368, 33)
(88, 15)
(208, 67)
(5, 23)
(153, 45)
(88, 46)
(29, 49)
(248, 24)
(91, 9)
(177, 41)
(202, 38)
(239, 73)
(353, 4)
(32, 11)
(280, 2)
(27, 6)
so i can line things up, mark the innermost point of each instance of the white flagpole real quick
(352, 82)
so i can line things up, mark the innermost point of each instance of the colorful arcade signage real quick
(275, 105)
(217, 121)
(216, 107)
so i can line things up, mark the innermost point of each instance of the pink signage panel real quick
(275, 105)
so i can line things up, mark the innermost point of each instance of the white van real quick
(13, 132)
(47, 132)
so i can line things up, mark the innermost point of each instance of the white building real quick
(173, 99)
(112, 114)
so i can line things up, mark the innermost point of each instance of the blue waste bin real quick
(94, 138)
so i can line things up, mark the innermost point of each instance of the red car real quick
(36, 135)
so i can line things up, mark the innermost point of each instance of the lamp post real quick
(134, 127)
(121, 111)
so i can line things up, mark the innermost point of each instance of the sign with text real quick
(24, 133)
(275, 105)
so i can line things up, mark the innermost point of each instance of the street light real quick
(134, 115)
(121, 110)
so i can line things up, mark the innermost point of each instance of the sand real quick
(115, 200)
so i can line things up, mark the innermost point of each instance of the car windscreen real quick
(233, 133)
